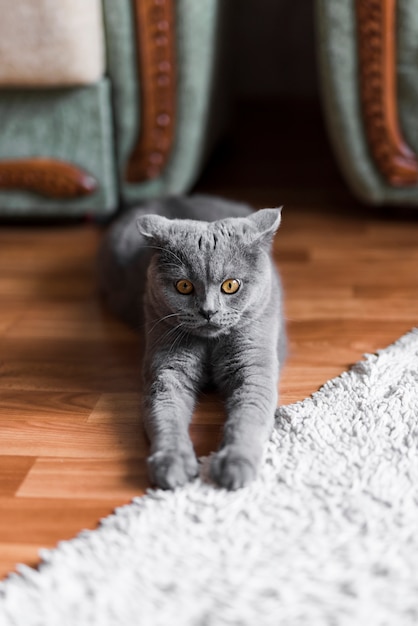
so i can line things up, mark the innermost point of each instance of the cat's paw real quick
(169, 469)
(232, 469)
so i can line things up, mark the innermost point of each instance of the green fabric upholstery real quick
(337, 54)
(74, 125)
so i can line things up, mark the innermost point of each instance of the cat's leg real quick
(169, 400)
(251, 400)
(250, 409)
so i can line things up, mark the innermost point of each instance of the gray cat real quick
(200, 271)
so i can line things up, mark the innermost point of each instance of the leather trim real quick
(47, 177)
(396, 161)
(156, 61)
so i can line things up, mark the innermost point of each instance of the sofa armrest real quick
(367, 52)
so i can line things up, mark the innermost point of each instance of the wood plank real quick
(125, 407)
(13, 471)
(73, 320)
(114, 349)
(45, 521)
(47, 374)
(45, 405)
(58, 477)
(72, 437)
(13, 553)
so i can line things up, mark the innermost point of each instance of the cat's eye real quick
(231, 285)
(184, 286)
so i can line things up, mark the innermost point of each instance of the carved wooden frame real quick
(156, 63)
(376, 21)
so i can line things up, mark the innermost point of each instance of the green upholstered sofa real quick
(368, 57)
(104, 103)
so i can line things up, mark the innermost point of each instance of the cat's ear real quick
(266, 221)
(153, 227)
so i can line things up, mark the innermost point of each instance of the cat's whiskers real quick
(166, 335)
(166, 250)
(170, 264)
(183, 332)
(161, 319)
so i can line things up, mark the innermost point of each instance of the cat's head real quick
(208, 277)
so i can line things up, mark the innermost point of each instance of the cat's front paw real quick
(232, 468)
(169, 469)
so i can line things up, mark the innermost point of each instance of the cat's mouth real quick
(210, 333)
(210, 329)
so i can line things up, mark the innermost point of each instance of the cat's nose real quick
(207, 313)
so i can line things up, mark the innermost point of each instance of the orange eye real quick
(231, 285)
(184, 286)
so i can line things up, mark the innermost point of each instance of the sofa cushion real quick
(50, 43)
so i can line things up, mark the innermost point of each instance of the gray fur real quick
(234, 341)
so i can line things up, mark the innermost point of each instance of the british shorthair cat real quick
(197, 273)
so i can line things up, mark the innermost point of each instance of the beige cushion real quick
(51, 42)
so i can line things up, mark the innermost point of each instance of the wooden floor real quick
(71, 442)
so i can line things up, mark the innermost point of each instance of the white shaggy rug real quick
(328, 535)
